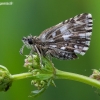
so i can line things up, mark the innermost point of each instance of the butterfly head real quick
(29, 42)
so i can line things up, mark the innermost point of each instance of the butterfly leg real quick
(39, 55)
(21, 50)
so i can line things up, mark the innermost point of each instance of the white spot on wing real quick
(79, 22)
(53, 34)
(63, 48)
(88, 34)
(90, 20)
(53, 46)
(75, 46)
(85, 48)
(90, 25)
(66, 37)
(43, 37)
(89, 15)
(82, 35)
(88, 28)
(82, 53)
(75, 18)
(62, 29)
(77, 51)
(88, 42)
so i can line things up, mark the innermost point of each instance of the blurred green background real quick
(26, 17)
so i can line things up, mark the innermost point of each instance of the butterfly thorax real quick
(34, 43)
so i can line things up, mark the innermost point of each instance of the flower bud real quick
(5, 79)
(32, 62)
(95, 75)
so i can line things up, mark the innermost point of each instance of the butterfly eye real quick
(30, 41)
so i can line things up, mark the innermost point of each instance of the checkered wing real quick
(69, 37)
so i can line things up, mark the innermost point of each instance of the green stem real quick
(21, 76)
(30, 75)
(77, 77)
(61, 75)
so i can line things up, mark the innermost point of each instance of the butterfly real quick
(64, 40)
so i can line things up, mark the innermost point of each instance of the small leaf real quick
(37, 92)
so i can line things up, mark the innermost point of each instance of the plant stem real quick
(21, 76)
(62, 75)
(30, 75)
(77, 77)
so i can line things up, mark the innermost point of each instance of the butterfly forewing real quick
(71, 37)
(66, 39)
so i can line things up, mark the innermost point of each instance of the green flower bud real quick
(5, 79)
(96, 74)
